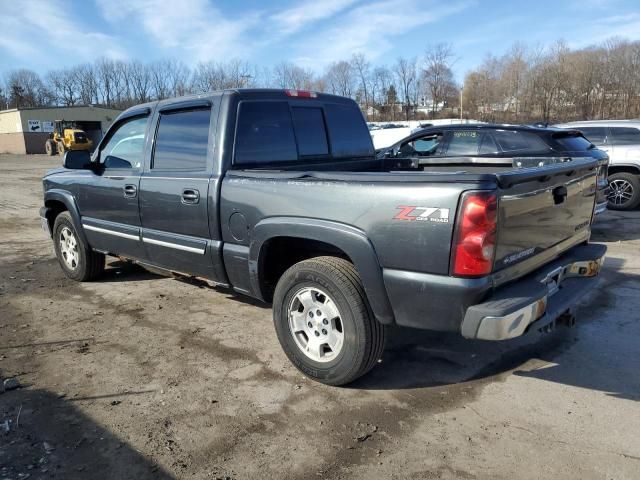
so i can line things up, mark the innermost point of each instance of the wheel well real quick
(280, 253)
(623, 169)
(55, 208)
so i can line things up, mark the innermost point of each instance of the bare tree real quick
(437, 74)
(26, 89)
(405, 70)
(361, 68)
(289, 75)
(339, 78)
(64, 87)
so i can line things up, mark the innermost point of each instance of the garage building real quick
(25, 130)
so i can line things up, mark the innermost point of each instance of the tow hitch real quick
(567, 319)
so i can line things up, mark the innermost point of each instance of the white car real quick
(621, 140)
(385, 135)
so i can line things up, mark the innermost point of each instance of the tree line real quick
(553, 83)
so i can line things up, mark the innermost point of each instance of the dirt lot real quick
(142, 376)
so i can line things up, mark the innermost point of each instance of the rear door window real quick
(514, 141)
(625, 136)
(463, 143)
(596, 135)
(182, 140)
(264, 134)
(488, 145)
(573, 143)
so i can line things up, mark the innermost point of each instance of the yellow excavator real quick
(66, 136)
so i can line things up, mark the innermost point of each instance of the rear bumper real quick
(539, 298)
(474, 308)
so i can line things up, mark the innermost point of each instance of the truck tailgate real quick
(543, 208)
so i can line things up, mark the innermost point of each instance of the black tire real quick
(363, 335)
(50, 148)
(60, 146)
(624, 191)
(88, 265)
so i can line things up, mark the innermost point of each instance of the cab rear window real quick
(275, 132)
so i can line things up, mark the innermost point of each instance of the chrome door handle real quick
(190, 195)
(130, 191)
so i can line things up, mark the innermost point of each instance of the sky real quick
(52, 34)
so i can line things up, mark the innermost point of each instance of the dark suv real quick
(512, 145)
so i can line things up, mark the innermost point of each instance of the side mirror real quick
(77, 160)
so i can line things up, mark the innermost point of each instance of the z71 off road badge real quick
(425, 214)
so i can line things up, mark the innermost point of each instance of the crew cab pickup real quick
(278, 194)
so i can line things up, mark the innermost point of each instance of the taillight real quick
(475, 237)
(301, 94)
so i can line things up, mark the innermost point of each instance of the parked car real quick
(515, 146)
(387, 134)
(279, 196)
(621, 140)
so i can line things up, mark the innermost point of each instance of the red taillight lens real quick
(475, 239)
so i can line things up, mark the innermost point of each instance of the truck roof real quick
(245, 93)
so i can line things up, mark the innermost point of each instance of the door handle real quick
(190, 195)
(130, 191)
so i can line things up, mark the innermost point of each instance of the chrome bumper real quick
(600, 208)
(539, 298)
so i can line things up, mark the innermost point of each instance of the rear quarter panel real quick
(385, 211)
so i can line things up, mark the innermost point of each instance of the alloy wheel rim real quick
(69, 248)
(620, 191)
(315, 324)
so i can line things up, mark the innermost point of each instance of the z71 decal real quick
(425, 214)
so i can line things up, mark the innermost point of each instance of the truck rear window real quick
(264, 134)
(272, 132)
(348, 131)
(310, 131)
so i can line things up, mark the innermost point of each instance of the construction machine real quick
(66, 136)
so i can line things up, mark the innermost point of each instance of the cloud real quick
(600, 29)
(370, 29)
(43, 32)
(194, 27)
(303, 14)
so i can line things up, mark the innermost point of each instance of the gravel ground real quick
(142, 376)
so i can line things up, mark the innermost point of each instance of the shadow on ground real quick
(600, 353)
(49, 437)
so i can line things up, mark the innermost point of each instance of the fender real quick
(349, 239)
(69, 201)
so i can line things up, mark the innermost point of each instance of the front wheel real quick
(324, 322)
(78, 261)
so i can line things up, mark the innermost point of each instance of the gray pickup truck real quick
(278, 195)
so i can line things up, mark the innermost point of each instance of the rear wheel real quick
(50, 147)
(324, 322)
(78, 261)
(624, 191)
(61, 148)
